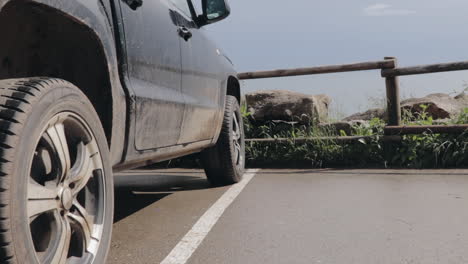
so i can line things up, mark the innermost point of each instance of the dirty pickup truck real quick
(90, 87)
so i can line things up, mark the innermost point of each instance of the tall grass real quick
(433, 150)
(415, 151)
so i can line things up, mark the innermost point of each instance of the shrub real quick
(415, 151)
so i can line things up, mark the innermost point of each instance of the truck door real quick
(154, 72)
(201, 79)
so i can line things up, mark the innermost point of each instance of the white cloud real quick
(386, 10)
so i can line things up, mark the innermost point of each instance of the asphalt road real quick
(296, 216)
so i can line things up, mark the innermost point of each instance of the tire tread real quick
(17, 98)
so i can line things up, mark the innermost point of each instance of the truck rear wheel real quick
(56, 188)
(225, 162)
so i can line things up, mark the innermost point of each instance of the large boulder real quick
(288, 106)
(439, 106)
(462, 99)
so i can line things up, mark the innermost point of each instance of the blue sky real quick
(270, 34)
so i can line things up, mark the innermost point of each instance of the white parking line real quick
(190, 242)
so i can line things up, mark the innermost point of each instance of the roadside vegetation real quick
(414, 151)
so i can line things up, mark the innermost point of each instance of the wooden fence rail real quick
(425, 69)
(391, 73)
(363, 66)
(442, 129)
(337, 140)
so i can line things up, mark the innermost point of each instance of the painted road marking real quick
(192, 240)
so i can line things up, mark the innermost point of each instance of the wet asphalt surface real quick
(297, 216)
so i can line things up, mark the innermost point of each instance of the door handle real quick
(184, 33)
(134, 4)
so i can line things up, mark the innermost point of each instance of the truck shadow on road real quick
(136, 191)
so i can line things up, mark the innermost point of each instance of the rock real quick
(288, 106)
(346, 127)
(462, 99)
(368, 115)
(337, 127)
(281, 126)
(439, 105)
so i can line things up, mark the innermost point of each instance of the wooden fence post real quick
(393, 98)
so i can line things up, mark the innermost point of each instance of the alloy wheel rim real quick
(237, 134)
(65, 193)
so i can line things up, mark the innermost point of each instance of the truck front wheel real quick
(56, 188)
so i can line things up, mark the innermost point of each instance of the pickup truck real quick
(91, 87)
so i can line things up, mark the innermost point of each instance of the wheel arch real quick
(233, 88)
(70, 40)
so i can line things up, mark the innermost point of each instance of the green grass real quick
(415, 151)
(433, 150)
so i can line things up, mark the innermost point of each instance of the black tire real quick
(41, 120)
(224, 163)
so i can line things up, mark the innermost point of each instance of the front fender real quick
(229, 72)
(95, 15)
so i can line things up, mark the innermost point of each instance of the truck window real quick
(183, 6)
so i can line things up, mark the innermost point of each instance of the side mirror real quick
(214, 11)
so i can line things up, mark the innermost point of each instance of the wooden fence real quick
(389, 71)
